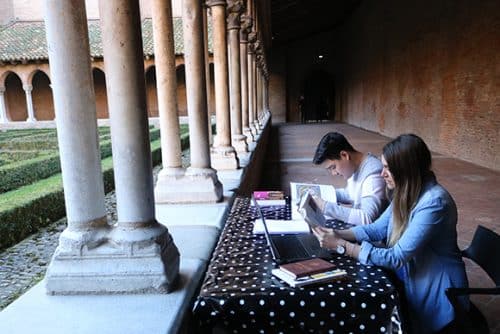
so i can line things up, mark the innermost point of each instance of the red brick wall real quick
(428, 67)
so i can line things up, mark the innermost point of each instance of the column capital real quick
(212, 3)
(28, 88)
(2, 89)
(246, 24)
(234, 8)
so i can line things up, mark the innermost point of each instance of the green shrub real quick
(26, 209)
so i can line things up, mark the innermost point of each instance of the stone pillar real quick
(223, 154)
(235, 8)
(245, 26)
(145, 255)
(207, 72)
(3, 109)
(202, 184)
(251, 85)
(74, 267)
(29, 103)
(256, 97)
(166, 85)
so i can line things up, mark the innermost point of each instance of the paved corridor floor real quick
(475, 189)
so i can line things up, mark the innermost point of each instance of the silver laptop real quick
(287, 248)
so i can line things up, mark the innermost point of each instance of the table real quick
(240, 295)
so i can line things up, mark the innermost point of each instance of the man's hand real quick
(319, 202)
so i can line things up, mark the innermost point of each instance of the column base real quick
(248, 133)
(224, 158)
(193, 185)
(127, 260)
(240, 144)
(167, 185)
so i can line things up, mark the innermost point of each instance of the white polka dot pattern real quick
(240, 294)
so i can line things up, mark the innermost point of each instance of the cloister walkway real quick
(475, 189)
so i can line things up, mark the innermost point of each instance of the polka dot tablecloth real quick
(240, 295)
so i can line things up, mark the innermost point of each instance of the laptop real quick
(287, 248)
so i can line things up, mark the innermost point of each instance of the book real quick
(276, 226)
(269, 197)
(269, 194)
(310, 211)
(307, 267)
(298, 190)
(326, 276)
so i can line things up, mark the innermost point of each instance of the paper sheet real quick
(281, 226)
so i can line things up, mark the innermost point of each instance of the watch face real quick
(340, 249)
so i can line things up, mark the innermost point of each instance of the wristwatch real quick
(340, 249)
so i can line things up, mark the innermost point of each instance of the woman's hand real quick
(327, 237)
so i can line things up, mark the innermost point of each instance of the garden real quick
(31, 190)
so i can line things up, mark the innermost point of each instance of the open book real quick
(297, 190)
(310, 211)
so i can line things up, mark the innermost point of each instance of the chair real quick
(483, 250)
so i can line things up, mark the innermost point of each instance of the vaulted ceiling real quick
(293, 20)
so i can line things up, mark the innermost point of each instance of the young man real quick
(363, 199)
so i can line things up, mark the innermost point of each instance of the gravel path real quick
(23, 265)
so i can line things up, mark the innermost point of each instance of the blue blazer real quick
(426, 256)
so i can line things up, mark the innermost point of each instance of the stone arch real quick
(318, 96)
(101, 97)
(31, 75)
(151, 92)
(43, 100)
(15, 98)
(181, 90)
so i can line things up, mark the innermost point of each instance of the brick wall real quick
(428, 67)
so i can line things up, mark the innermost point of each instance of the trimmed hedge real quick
(18, 174)
(26, 209)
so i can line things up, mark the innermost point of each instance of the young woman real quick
(418, 230)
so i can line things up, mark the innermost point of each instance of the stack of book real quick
(269, 197)
(315, 270)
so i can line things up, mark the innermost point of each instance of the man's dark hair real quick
(330, 146)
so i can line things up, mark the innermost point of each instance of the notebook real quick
(287, 248)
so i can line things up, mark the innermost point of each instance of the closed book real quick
(307, 267)
(326, 276)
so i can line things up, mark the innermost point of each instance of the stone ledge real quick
(194, 241)
(37, 312)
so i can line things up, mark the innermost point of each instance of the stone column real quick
(223, 154)
(235, 9)
(145, 255)
(29, 103)
(74, 267)
(251, 85)
(256, 97)
(166, 85)
(207, 72)
(3, 109)
(202, 184)
(245, 26)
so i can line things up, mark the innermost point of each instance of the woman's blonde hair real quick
(409, 161)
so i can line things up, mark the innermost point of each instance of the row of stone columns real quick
(137, 254)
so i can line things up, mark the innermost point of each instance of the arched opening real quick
(15, 98)
(181, 90)
(43, 101)
(151, 94)
(211, 106)
(317, 99)
(101, 98)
